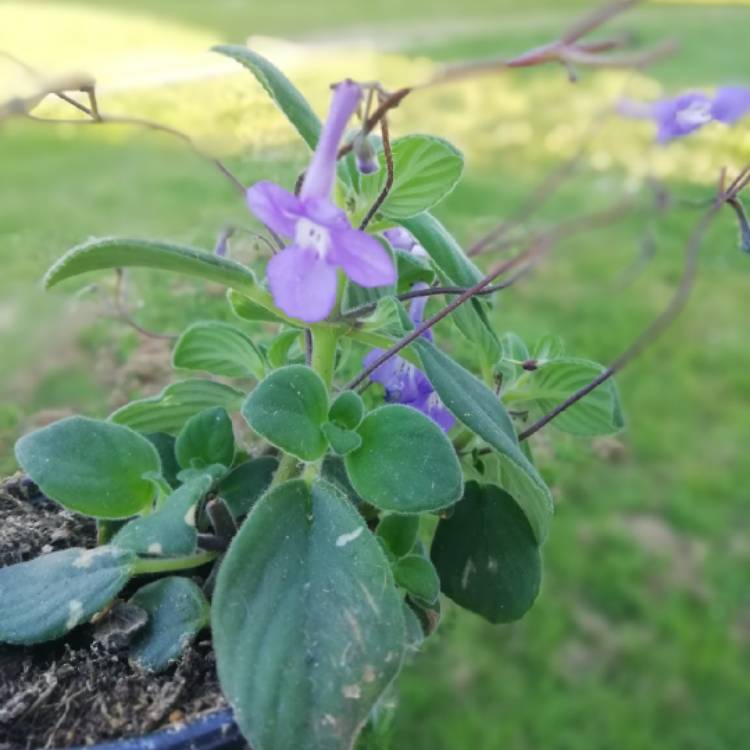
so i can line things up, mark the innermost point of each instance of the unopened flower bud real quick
(364, 152)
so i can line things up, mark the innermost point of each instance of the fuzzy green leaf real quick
(405, 464)
(170, 410)
(121, 252)
(398, 532)
(43, 599)
(244, 485)
(288, 409)
(177, 611)
(426, 169)
(206, 439)
(486, 555)
(218, 348)
(476, 406)
(307, 624)
(92, 467)
(170, 531)
(418, 576)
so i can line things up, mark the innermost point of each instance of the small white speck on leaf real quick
(154, 549)
(86, 557)
(75, 613)
(344, 539)
(190, 516)
(353, 692)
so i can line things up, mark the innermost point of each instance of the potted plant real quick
(318, 548)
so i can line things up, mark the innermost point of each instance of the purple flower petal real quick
(731, 103)
(432, 407)
(275, 207)
(303, 285)
(326, 213)
(680, 116)
(321, 173)
(400, 238)
(365, 261)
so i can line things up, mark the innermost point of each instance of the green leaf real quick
(218, 348)
(456, 269)
(399, 532)
(243, 486)
(347, 410)
(477, 407)
(418, 576)
(307, 624)
(412, 269)
(177, 612)
(405, 464)
(342, 441)
(207, 438)
(278, 351)
(414, 632)
(45, 598)
(486, 555)
(443, 249)
(426, 169)
(170, 531)
(597, 413)
(164, 445)
(283, 92)
(92, 467)
(288, 409)
(120, 252)
(170, 410)
(245, 309)
(548, 347)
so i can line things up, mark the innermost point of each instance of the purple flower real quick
(303, 277)
(405, 384)
(402, 239)
(688, 112)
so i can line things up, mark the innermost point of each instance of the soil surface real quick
(80, 690)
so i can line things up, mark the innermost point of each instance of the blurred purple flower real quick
(303, 277)
(688, 112)
(407, 385)
(401, 239)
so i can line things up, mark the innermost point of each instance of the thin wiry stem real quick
(389, 175)
(673, 309)
(527, 255)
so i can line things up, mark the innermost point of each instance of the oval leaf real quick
(243, 486)
(170, 410)
(597, 413)
(399, 532)
(288, 409)
(177, 612)
(121, 252)
(218, 348)
(43, 599)
(347, 410)
(486, 555)
(476, 406)
(206, 439)
(170, 531)
(426, 169)
(418, 576)
(308, 626)
(93, 467)
(405, 463)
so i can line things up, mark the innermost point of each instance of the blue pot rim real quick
(215, 730)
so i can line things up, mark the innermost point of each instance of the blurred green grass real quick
(641, 636)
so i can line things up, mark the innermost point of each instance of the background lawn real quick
(641, 636)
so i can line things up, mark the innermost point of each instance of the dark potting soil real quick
(79, 691)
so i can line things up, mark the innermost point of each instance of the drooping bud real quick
(743, 222)
(364, 152)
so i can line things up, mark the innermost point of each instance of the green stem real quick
(287, 469)
(324, 340)
(165, 565)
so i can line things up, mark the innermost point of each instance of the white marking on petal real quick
(696, 113)
(312, 236)
(75, 613)
(344, 539)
